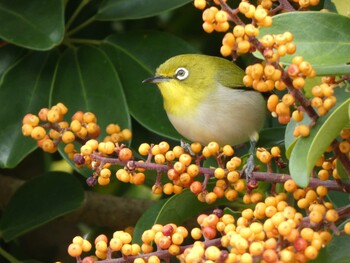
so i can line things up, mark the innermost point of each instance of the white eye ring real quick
(181, 73)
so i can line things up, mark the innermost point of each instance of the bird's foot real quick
(187, 147)
(249, 167)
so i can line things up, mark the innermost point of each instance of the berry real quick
(38, 133)
(125, 154)
(74, 250)
(200, 4)
(68, 137)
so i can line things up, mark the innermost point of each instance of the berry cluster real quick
(271, 232)
(327, 166)
(49, 128)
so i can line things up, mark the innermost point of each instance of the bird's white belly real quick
(226, 118)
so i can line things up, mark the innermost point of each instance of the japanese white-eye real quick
(205, 99)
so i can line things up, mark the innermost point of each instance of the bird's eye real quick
(181, 73)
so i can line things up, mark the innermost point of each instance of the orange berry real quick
(272, 102)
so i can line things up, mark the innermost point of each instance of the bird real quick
(205, 100)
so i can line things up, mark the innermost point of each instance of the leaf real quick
(8, 56)
(308, 150)
(289, 138)
(36, 24)
(342, 172)
(39, 201)
(146, 221)
(342, 6)
(24, 88)
(270, 137)
(338, 248)
(136, 56)
(321, 38)
(86, 80)
(135, 9)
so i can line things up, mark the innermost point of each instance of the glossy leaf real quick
(35, 25)
(86, 80)
(270, 137)
(338, 248)
(9, 55)
(39, 201)
(308, 150)
(147, 220)
(24, 88)
(321, 38)
(342, 172)
(135, 9)
(342, 6)
(136, 56)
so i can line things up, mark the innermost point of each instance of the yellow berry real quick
(272, 102)
(299, 83)
(208, 27)
(219, 173)
(38, 133)
(159, 158)
(68, 137)
(74, 250)
(86, 245)
(226, 50)
(347, 228)
(311, 252)
(297, 116)
(196, 147)
(332, 215)
(27, 129)
(200, 4)
(221, 16)
(344, 146)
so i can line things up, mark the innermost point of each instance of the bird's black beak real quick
(156, 79)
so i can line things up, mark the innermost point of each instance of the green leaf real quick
(36, 24)
(289, 139)
(24, 88)
(342, 172)
(147, 220)
(308, 150)
(321, 38)
(86, 80)
(136, 56)
(342, 6)
(270, 137)
(8, 56)
(338, 199)
(135, 9)
(338, 248)
(39, 201)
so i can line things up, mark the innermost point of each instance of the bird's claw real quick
(249, 167)
(187, 147)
